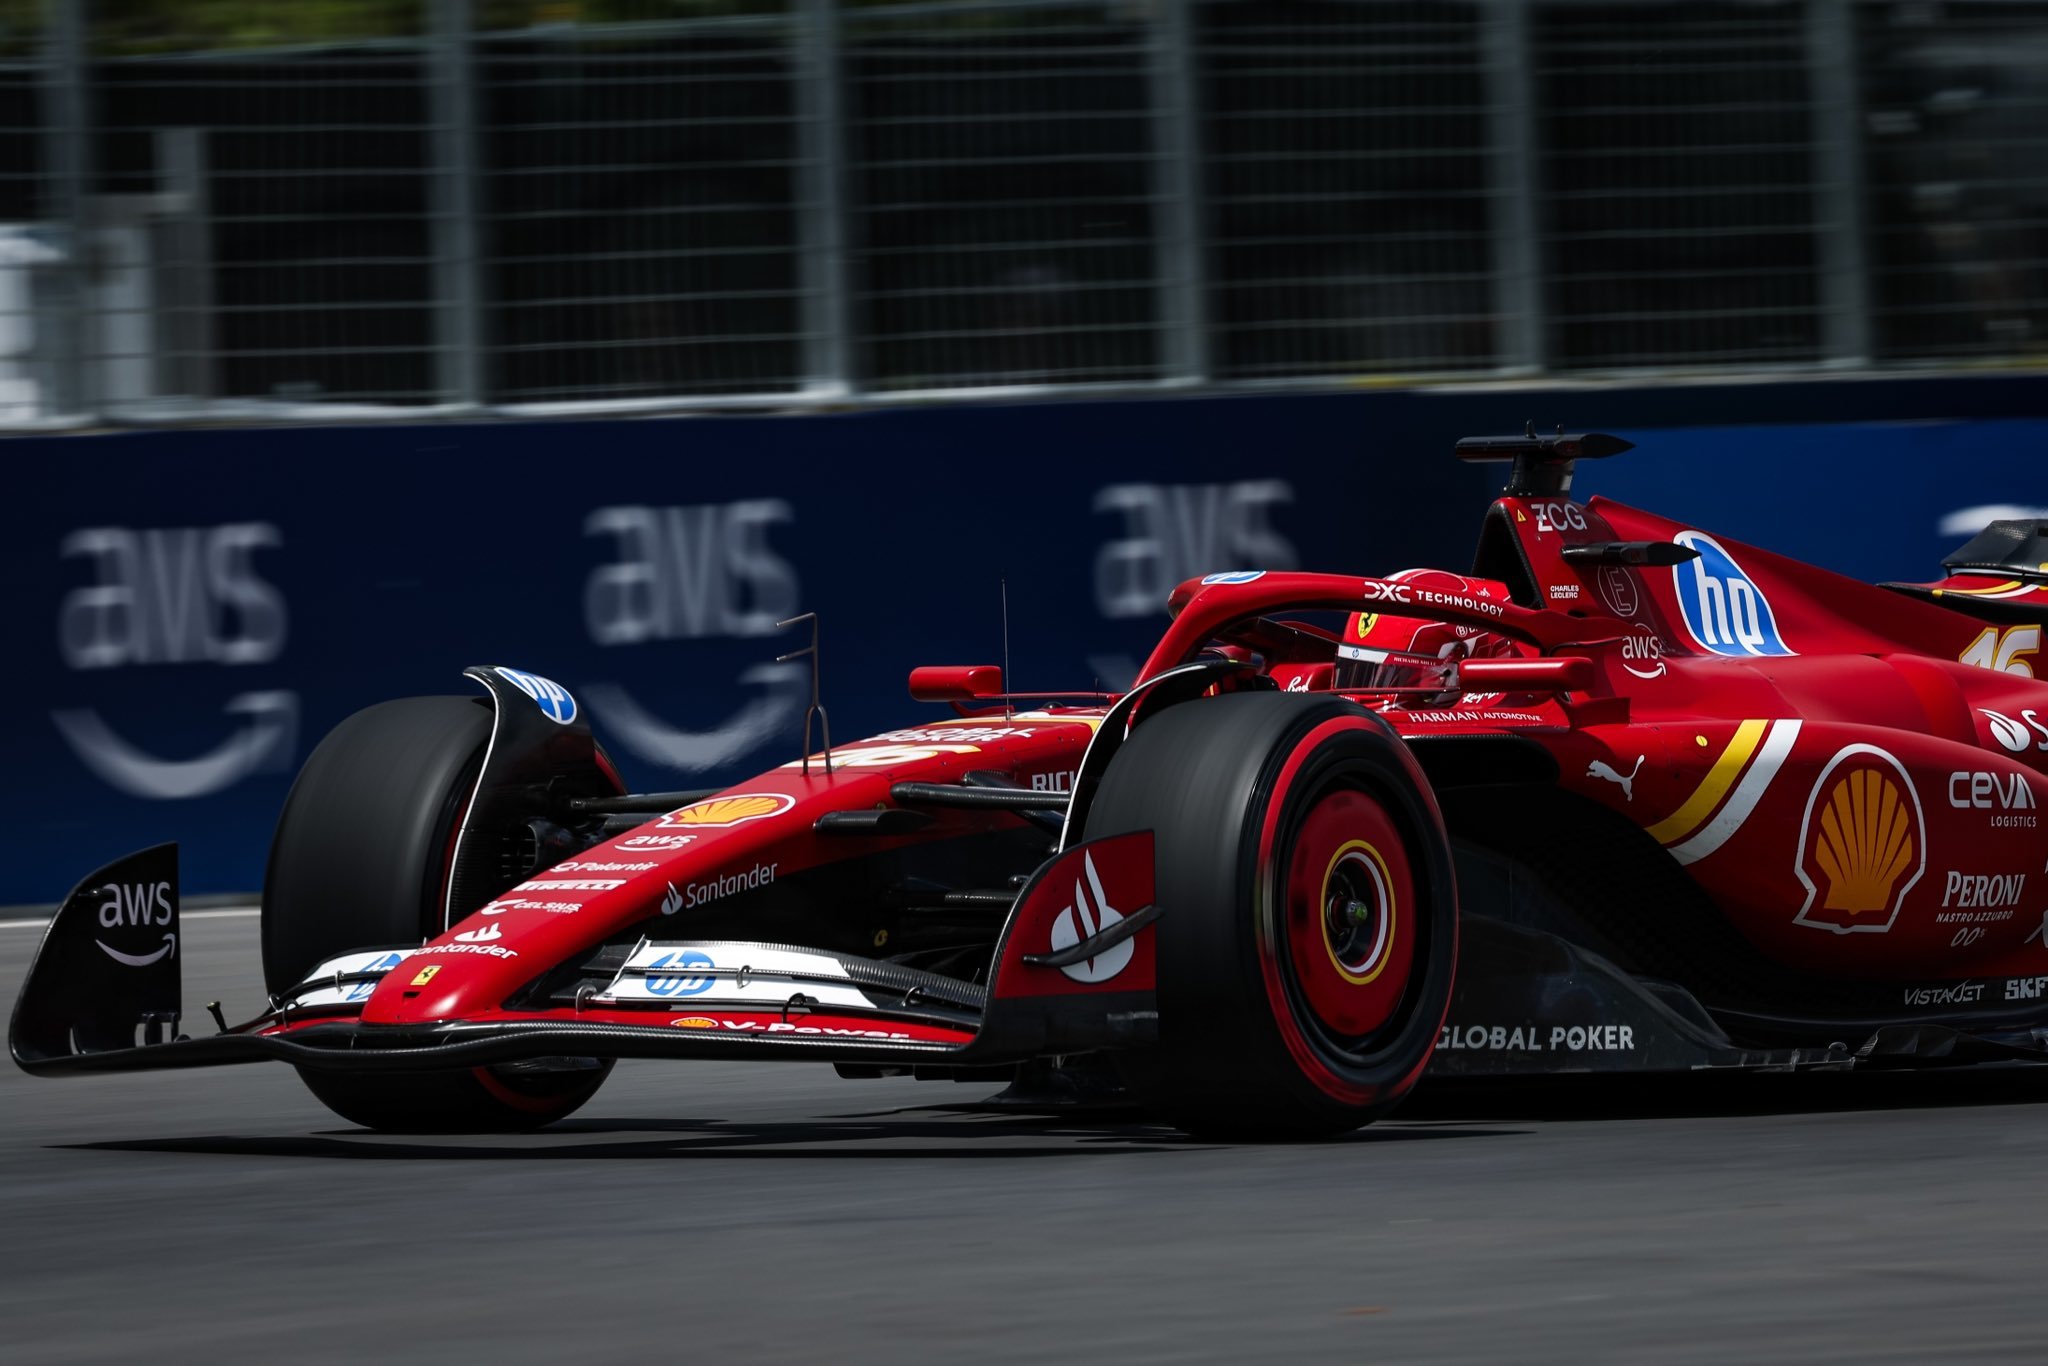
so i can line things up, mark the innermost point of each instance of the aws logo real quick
(703, 571)
(139, 904)
(1173, 532)
(1724, 610)
(177, 596)
(1862, 843)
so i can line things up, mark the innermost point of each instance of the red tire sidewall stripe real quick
(1310, 1064)
(505, 1095)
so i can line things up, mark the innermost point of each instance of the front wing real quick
(95, 1001)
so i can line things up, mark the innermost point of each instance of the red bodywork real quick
(1856, 799)
(1865, 804)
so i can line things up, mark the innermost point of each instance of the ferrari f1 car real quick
(1628, 797)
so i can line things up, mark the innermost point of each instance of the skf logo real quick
(1862, 843)
(1724, 610)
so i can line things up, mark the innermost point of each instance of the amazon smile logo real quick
(137, 904)
(704, 571)
(176, 595)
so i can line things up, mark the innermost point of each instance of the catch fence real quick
(346, 208)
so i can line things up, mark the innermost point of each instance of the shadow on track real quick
(894, 1136)
(1695, 1096)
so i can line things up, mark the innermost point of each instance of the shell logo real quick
(718, 812)
(1862, 843)
(693, 1022)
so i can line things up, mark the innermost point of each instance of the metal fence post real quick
(66, 108)
(184, 331)
(821, 146)
(1177, 190)
(458, 258)
(1518, 297)
(1838, 198)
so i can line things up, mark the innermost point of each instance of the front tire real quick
(1309, 925)
(361, 859)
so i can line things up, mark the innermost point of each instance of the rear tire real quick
(1309, 926)
(361, 858)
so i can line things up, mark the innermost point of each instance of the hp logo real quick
(1725, 612)
(551, 697)
(680, 984)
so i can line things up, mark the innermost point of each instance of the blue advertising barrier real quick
(1876, 501)
(193, 609)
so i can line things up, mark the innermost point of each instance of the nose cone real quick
(425, 988)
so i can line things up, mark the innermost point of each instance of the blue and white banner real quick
(191, 610)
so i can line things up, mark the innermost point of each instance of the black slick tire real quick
(359, 860)
(1252, 798)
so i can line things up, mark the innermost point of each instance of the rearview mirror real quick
(955, 682)
(1570, 674)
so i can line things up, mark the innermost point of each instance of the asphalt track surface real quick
(751, 1213)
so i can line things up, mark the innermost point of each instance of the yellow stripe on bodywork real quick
(1719, 779)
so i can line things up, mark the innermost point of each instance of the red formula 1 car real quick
(1665, 802)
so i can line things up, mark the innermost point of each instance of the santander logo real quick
(1088, 917)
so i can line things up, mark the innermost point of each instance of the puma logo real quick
(1600, 768)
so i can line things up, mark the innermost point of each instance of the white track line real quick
(237, 913)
